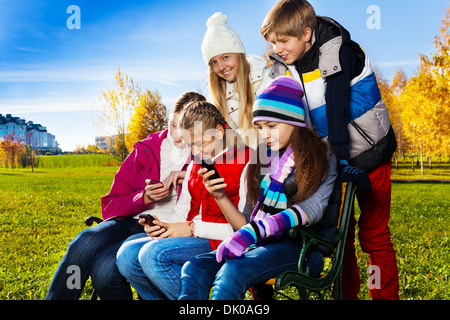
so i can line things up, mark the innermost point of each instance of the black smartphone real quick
(208, 164)
(147, 217)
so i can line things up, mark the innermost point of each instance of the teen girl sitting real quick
(293, 190)
(152, 264)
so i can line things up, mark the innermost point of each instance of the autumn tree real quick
(395, 109)
(388, 92)
(117, 105)
(31, 150)
(150, 115)
(11, 148)
(425, 100)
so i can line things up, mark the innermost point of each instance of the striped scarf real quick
(272, 197)
(271, 216)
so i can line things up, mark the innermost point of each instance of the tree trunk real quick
(421, 159)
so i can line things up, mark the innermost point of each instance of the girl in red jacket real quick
(153, 264)
(94, 249)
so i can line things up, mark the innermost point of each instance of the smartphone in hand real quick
(157, 182)
(147, 217)
(208, 164)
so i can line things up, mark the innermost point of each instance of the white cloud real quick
(36, 105)
(164, 73)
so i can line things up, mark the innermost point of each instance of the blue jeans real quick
(94, 251)
(231, 279)
(153, 267)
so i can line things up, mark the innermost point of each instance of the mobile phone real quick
(156, 182)
(208, 164)
(147, 217)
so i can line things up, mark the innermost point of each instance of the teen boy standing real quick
(345, 106)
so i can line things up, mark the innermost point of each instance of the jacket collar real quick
(329, 36)
(153, 139)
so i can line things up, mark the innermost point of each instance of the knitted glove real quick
(234, 245)
(356, 175)
(270, 225)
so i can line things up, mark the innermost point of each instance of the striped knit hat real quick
(281, 102)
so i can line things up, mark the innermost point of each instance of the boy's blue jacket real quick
(366, 117)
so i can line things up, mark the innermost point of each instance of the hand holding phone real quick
(155, 191)
(208, 164)
(156, 182)
(216, 189)
(148, 218)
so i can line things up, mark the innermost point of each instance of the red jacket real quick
(230, 166)
(125, 198)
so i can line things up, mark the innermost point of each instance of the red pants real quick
(375, 239)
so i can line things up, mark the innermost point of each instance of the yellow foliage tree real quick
(150, 115)
(395, 109)
(118, 103)
(425, 100)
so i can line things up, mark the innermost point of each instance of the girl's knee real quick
(151, 252)
(191, 267)
(128, 254)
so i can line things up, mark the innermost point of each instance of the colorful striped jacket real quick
(368, 114)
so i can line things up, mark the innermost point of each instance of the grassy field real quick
(41, 212)
(77, 160)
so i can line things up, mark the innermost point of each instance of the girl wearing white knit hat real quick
(234, 78)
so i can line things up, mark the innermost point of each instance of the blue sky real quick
(52, 75)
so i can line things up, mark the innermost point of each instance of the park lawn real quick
(41, 212)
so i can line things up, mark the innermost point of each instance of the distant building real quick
(105, 142)
(28, 133)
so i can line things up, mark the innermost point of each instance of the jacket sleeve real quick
(315, 205)
(337, 97)
(124, 200)
(181, 210)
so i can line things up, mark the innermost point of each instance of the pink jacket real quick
(125, 198)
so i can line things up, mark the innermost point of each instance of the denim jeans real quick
(153, 267)
(94, 251)
(231, 279)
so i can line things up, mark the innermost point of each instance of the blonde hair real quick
(289, 17)
(217, 86)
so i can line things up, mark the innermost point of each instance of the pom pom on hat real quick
(281, 101)
(215, 19)
(220, 38)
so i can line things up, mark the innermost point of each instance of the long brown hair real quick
(311, 163)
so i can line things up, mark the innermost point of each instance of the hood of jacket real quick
(328, 37)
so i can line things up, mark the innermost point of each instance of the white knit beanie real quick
(220, 38)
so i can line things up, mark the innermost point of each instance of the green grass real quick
(440, 170)
(41, 212)
(420, 232)
(77, 160)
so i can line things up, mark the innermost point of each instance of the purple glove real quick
(234, 246)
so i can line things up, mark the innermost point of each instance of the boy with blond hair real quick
(344, 106)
